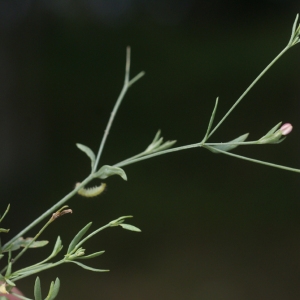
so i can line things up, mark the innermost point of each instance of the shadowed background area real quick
(213, 227)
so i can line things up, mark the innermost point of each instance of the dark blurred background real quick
(213, 227)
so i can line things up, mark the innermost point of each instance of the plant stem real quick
(134, 160)
(248, 89)
(39, 270)
(51, 210)
(125, 88)
(254, 160)
(89, 236)
(55, 207)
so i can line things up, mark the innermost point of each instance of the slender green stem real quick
(137, 158)
(255, 160)
(132, 158)
(229, 143)
(55, 207)
(51, 210)
(248, 89)
(39, 270)
(115, 109)
(89, 236)
(128, 162)
(127, 84)
(32, 241)
(20, 297)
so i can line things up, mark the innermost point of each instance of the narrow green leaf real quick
(50, 290)
(57, 247)
(118, 221)
(91, 255)
(31, 270)
(212, 117)
(228, 147)
(269, 133)
(293, 29)
(164, 146)
(106, 171)
(6, 211)
(78, 237)
(130, 227)
(54, 289)
(4, 230)
(89, 152)
(8, 270)
(21, 242)
(18, 296)
(35, 244)
(87, 267)
(37, 289)
(158, 145)
(157, 136)
(10, 282)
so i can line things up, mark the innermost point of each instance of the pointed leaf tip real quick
(130, 227)
(89, 152)
(106, 171)
(229, 147)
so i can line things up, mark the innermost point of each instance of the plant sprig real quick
(157, 147)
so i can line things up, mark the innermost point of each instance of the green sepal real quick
(78, 237)
(106, 171)
(228, 147)
(274, 136)
(269, 133)
(89, 152)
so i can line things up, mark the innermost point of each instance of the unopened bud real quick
(275, 136)
(286, 128)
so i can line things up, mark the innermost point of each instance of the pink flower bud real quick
(286, 128)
